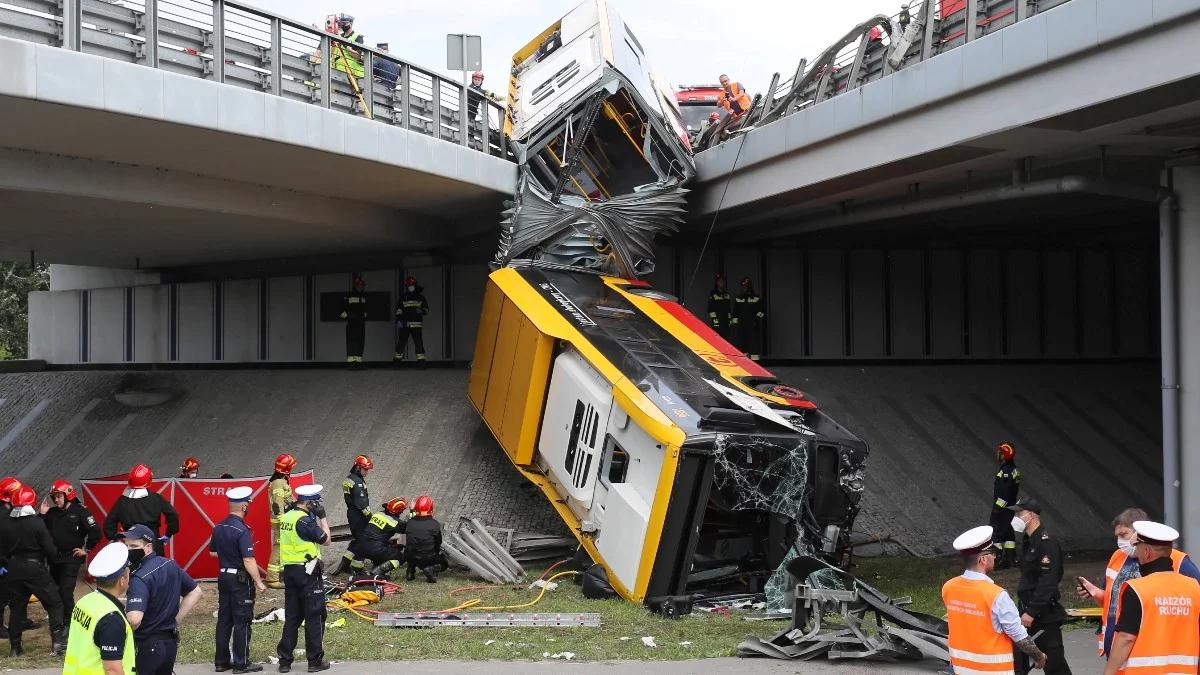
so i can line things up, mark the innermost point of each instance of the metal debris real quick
(473, 547)
(479, 620)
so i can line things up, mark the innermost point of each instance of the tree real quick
(17, 280)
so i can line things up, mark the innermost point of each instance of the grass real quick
(624, 624)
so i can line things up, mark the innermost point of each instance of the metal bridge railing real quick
(242, 46)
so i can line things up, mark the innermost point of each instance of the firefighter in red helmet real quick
(280, 491)
(423, 542)
(411, 309)
(1005, 489)
(376, 542)
(9, 486)
(189, 468)
(358, 510)
(74, 531)
(748, 319)
(720, 308)
(27, 546)
(139, 505)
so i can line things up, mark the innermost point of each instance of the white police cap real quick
(308, 492)
(109, 562)
(1155, 534)
(239, 494)
(974, 541)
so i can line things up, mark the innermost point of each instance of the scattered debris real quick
(567, 656)
(472, 620)
(340, 623)
(272, 615)
(649, 641)
(542, 583)
(685, 643)
(491, 642)
(473, 547)
(625, 637)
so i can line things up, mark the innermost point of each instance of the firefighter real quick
(102, 639)
(905, 17)
(139, 505)
(280, 491)
(376, 542)
(27, 547)
(410, 314)
(1158, 614)
(358, 510)
(985, 629)
(747, 320)
(355, 313)
(9, 487)
(1004, 494)
(303, 530)
(733, 97)
(423, 542)
(190, 468)
(352, 63)
(720, 307)
(237, 584)
(75, 532)
(1041, 564)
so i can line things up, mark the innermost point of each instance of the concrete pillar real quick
(1185, 181)
(83, 278)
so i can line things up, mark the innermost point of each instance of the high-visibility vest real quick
(735, 99)
(355, 61)
(1168, 641)
(83, 656)
(1115, 563)
(292, 549)
(975, 645)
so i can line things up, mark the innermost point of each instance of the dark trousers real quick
(5, 598)
(1050, 642)
(378, 552)
(235, 611)
(434, 563)
(418, 338)
(27, 578)
(749, 336)
(156, 656)
(357, 522)
(356, 337)
(66, 576)
(303, 601)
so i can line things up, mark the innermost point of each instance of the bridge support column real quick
(1185, 181)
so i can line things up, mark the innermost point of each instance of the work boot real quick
(384, 569)
(250, 668)
(30, 624)
(318, 667)
(3, 632)
(429, 576)
(285, 667)
(14, 649)
(344, 567)
(58, 643)
(410, 574)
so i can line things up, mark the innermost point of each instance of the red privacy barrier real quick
(201, 504)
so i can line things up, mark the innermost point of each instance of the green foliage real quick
(17, 280)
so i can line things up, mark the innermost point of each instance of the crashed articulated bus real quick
(682, 467)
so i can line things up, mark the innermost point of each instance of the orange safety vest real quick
(735, 99)
(975, 645)
(1168, 641)
(1115, 563)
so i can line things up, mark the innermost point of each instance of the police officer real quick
(280, 491)
(747, 320)
(8, 489)
(27, 545)
(101, 638)
(720, 308)
(138, 505)
(411, 309)
(376, 540)
(358, 510)
(1005, 488)
(423, 542)
(354, 311)
(190, 468)
(160, 595)
(303, 530)
(237, 584)
(75, 532)
(1041, 564)
(348, 59)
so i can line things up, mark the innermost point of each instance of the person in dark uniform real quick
(355, 313)
(160, 595)
(8, 490)
(138, 505)
(28, 545)
(376, 544)
(423, 542)
(75, 532)
(358, 511)
(747, 320)
(720, 308)
(411, 309)
(303, 530)
(238, 583)
(102, 639)
(1041, 564)
(1005, 489)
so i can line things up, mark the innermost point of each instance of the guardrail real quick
(242, 46)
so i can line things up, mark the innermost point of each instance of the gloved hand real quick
(317, 509)
(165, 538)
(3, 571)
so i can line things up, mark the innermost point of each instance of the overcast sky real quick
(689, 41)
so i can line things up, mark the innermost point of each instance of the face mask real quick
(1018, 525)
(136, 556)
(411, 288)
(1126, 546)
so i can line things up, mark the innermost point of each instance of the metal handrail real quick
(162, 34)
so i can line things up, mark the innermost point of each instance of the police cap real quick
(109, 562)
(239, 494)
(139, 531)
(308, 492)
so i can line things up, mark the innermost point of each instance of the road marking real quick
(20, 427)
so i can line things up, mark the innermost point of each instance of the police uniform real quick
(155, 589)
(71, 527)
(300, 540)
(720, 311)
(747, 321)
(1040, 560)
(233, 543)
(358, 512)
(139, 506)
(355, 313)
(99, 630)
(410, 320)
(28, 547)
(1005, 488)
(280, 490)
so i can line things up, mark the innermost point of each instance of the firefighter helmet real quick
(285, 462)
(477, 75)
(189, 465)
(358, 283)
(8, 486)
(410, 281)
(63, 487)
(1005, 452)
(363, 462)
(140, 476)
(25, 497)
(746, 282)
(396, 506)
(423, 506)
